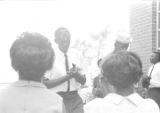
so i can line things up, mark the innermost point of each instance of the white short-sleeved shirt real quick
(29, 97)
(59, 70)
(114, 103)
(155, 75)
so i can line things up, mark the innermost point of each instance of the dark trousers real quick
(154, 93)
(72, 102)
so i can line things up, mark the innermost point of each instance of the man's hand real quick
(80, 78)
(75, 73)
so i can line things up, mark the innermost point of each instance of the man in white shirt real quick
(122, 42)
(64, 83)
(154, 75)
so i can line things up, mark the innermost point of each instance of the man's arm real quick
(55, 82)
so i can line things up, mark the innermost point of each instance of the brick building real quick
(144, 28)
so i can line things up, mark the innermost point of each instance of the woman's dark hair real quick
(122, 69)
(32, 52)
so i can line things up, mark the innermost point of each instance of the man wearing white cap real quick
(123, 40)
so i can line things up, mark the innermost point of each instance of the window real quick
(158, 24)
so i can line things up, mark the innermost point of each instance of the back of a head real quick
(32, 53)
(122, 69)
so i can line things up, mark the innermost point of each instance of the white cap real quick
(123, 37)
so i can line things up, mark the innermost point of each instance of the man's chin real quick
(64, 50)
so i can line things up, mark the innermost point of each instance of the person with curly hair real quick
(122, 71)
(31, 56)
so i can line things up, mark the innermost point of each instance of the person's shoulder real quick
(99, 105)
(6, 90)
(5, 94)
(2, 92)
(149, 101)
(150, 106)
(54, 100)
(94, 103)
(157, 64)
(52, 94)
(93, 106)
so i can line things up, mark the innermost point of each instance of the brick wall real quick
(142, 29)
(154, 29)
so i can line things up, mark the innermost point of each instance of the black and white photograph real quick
(80, 56)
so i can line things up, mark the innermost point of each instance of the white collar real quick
(25, 83)
(134, 98)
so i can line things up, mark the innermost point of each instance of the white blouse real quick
(114, 103)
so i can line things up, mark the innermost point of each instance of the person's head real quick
(122, 42)
(122, 70)
(62, 38)
(155, 57)
(31, 56)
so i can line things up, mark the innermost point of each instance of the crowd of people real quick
(49, 81)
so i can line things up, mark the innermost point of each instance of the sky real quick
(81, 17)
